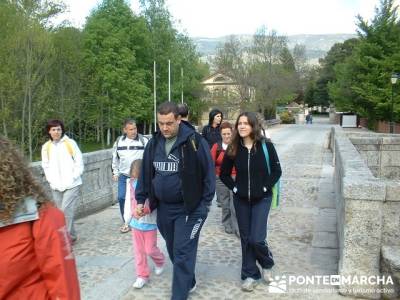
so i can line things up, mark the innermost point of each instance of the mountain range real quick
(317, 45)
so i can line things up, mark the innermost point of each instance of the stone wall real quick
(98, 190)
(381, 152)
(366, 212)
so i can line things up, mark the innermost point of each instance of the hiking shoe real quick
(158, 270)
(193, 288)
(124, 228)
(267, 275)
(228, 230)
(74, 240)
(249, 284)
(139, 283)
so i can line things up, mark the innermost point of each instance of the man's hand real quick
(115, 177)
(140, 210)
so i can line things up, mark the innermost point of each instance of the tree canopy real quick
(92, 78)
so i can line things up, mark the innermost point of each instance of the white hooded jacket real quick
(62, 164)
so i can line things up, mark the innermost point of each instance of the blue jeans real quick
(252, 220)
(121, 193)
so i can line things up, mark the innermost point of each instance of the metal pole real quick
(182, 85)
(391, 114)
(155, 96)
(169, 80)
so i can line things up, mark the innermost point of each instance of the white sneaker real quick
(158, 270)
(267, 275)
(193, 288)
(249, 284)
(139, 283)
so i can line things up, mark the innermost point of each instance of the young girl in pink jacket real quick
(144, 231)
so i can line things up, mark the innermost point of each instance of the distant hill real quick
(317, 45)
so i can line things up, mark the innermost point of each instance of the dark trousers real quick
(121, 193)
(252, 220)
(181, 233)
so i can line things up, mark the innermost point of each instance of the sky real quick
(215, 18)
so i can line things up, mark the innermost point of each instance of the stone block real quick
(390, 266)
(390, 172)
(364, 147)
(362, 223)
(392, 190)
(390, 140)
(326, 200)
(390, 158)
(326, 224)
(390, 147)
(365, 140)
(376, 171)
(391, 223)
(358, 261)
(371, 158)
(323, 239)
(361, 243)
(363, 189)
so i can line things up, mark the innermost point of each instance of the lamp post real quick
(393, 79)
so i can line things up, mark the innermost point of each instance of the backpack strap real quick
(194, 139)
(117, 141)
(69, 148)
(141, 138)
(266, 154)
(67, 145)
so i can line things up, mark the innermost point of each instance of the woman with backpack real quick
(252, 195)
(224, 195)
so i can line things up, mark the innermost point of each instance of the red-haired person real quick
(63, 166)
(36, 259)
(224, 195)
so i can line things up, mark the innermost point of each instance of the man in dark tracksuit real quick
(177, 176)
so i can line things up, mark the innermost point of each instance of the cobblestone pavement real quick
(301, 234)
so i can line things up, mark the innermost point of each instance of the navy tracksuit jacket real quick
(180, 216)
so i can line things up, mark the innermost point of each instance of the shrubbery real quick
(287, 117)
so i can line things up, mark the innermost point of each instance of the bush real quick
(287, 118)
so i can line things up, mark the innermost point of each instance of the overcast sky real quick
(214, 18)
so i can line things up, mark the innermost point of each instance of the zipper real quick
(182, 157)
(248, 172)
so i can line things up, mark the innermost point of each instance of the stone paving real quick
(301, 234)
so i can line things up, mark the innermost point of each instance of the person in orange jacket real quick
(36, 260)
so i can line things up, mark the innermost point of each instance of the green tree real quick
(166, 43)
(116, 85)
(67, 75)
(363, 79)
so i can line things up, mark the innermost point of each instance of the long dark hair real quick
(255, 134)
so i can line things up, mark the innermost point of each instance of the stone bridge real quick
(339, 215)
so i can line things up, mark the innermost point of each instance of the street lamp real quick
(393, 79)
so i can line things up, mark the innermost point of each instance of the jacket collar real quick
(26, 211)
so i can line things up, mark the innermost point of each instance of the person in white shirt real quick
(63, 167)
(127, 148)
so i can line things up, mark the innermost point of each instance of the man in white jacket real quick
(63, 166)
(127, 148)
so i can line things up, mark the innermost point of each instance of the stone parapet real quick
(98, 190)
(368, 207)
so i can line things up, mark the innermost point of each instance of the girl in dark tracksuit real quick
(252, 191)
